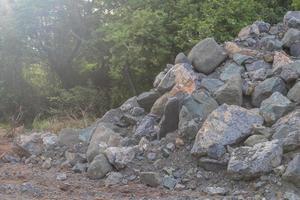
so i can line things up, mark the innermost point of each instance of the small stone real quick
(150, 178)
(99, 167)
(179, 142)
(215, 191)
(80, 168)
(151, 156)
(170, 146)
(169, 182)
(61, 177)
(113, 178)
(47, 163)
(165, 153)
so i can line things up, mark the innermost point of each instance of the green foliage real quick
(296, 4)
(77, 58)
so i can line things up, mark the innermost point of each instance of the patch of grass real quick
(55, 124)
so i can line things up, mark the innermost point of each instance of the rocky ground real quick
(222, 123)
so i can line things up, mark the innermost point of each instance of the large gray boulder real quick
(275, 107)
(195, 109)
(207, 55)
(227, 125)
(250, 162)
(231, 92)
(266, 88)
(294, 93)
(103, 137)
(291, 37)
(292, 19)
(292, 173)
(119, 157)
(287, 130)
(170, 119)
(99, 167)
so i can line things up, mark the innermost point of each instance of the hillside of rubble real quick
(222, 122)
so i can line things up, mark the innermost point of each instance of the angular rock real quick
(292, 19)
(295, 49)
(287, 130)
(260, 74)
(170, 119)
(249, 31)
(167, 82)
(30, 144)
(159, 105)
(263, 27)
(289, 73)
(129, 104)
(250, 162)
(181, 58)
(146, 128)
(188, 126)
(147, 99)
(86, 134)
(211, 84)
(260, 64)
(275, 107)
(80, 168)
(231, 92)
(241, 59)
(294, 93)
(200, 104)
(207, 55)
(226, 125)
(266, 88)
(112, 116)
(230, 71)
(152, 179)
(99, 167)
(113, 178)
(69, 137)
(292, 36)
(255, 139)
(212, 164)
(270, 43)
(119, 157)
(169, 182)
(292, 173)
(280, 60)
(216, 190)
(100, 140)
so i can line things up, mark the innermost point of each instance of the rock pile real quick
(231, 109)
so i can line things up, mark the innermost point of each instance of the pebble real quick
(61, 177)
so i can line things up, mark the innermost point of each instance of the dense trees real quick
(73, 57)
